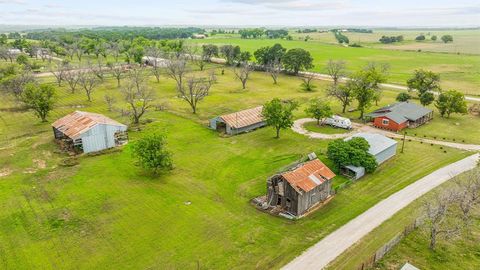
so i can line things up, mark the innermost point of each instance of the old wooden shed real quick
(89, 132)
(301, 188)
(238, 122)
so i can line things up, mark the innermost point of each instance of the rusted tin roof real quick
(244, 118)
(309, 175)
(78, 122)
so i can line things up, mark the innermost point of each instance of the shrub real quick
(152, 154)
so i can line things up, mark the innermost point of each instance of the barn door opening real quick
(221, 127)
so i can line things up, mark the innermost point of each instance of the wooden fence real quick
(381, 252)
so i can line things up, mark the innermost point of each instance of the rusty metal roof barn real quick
(309, 175)
(89, 132)
(238, 122)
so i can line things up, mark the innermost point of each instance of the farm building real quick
(198, 36)
(381, 147)
(400, 115)
(89, 132)
(153, 61)
(238, 122)
(301, 188)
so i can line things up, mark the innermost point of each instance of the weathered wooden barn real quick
(400, 115)
(303, 187)
(238, 122)
(89, 132)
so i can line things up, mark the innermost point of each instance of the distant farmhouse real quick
(238, 122)
(301, 188)
(89, 132)
(400, 115)
(381, 147)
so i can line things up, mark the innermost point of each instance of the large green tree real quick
(424, 82)
(267, 55)
(451, 102)
(365, 86)
(297, 59)
(39, 98)
(318, 109)
(352, 152)
(279, 114)
(151, 153)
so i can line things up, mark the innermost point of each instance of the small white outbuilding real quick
(89, 132)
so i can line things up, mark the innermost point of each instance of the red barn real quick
(400, 115)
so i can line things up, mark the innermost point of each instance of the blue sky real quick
(243, 12)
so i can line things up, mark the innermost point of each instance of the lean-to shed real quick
(238, 122)
(89, 132)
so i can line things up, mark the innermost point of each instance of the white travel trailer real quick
(338, 121)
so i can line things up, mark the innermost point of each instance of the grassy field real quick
(457, 253)
(459, 72)
(312, 126)
(466, 41)
(105, 213)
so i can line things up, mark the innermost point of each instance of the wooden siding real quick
(392, 125)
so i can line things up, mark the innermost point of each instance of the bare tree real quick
(97, 69)
(88, 81)
(336, 70)
(274, 68)
(72, 78)
(176, 69)
(341, 92)
(59, 72)
(117, 72)
(110, 100)
(115, 50)
(138, 96)
(70, 50)
(15, 85)
(439, 220)
(212, 76)
(468, 194)
(155, 55)
(242, 73)
(194, 91)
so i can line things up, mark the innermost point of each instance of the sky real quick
(388, 13)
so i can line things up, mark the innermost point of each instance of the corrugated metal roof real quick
(377, 142)
(309, 175)
(401, 112)
(244, 118)
(78, 122)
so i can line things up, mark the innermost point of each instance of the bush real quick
(152, 154)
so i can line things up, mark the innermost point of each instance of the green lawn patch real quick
(325, 129)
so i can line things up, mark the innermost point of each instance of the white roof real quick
(377, 142)
(408, 266)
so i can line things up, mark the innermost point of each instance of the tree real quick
(117, 72)
(194, 91)
(266, 55)
(344, 93)
(437, 217)
(352, 152)
(336, 70)
(365, 86)
(274, 68)
(318, 109)
(209, 51)
(307, 82)
(447, 38)
(403, 96)
(451, 102)
(152, 154)
(424, 81)
(177, 69)
(427, 98)
(60, 71)
(15, 84)
(39, 98)
(72, 78)
(88, 81)
(155, 53)
(242, 73)
(230, 53)
(297, 59)
(279, 114)
(420, 38)
(138, 96)
(433, 38)
(22, 59)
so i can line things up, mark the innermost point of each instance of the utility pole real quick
(403, 143)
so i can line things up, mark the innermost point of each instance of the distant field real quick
(461, 72)
(464, 41)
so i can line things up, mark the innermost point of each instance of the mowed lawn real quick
(105, 213)
(460, 72)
